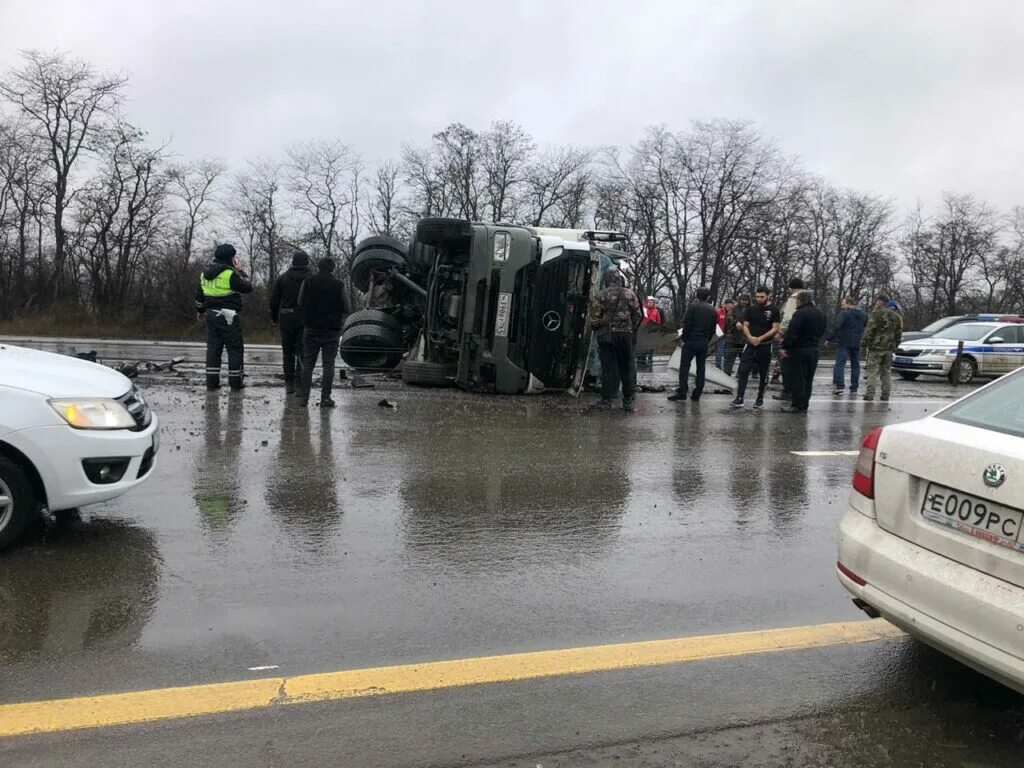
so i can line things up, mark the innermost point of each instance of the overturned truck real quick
(486, 307)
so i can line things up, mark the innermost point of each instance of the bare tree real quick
(256, 210)
(194, 184)
(67, 102)
(506, 152)
(459, 153)
(553, 179)
(384, 207)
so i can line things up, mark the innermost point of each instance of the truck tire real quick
(443, 232)
(374, 258)
(909, 376)
(19, 504)
(383, 242)
(373, 317)
(423, 373)
(371, 347)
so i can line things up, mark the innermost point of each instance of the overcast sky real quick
(902, 98)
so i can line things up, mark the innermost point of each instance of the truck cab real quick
(506, 305)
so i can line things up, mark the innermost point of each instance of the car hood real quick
(58, 375)
(933, 341)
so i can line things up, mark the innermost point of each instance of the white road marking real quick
(263, 669)
(825, 453)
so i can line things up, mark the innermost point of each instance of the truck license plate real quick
(504, 311)
(973, 516)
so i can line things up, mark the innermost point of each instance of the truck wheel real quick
(908, 376)
(967, 371)
(443, 232)
(372, 347)
(373, 317)
(375, 258)
(19, 504)
(383, 242)
(423, 373)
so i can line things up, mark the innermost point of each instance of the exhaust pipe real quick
(869, 610)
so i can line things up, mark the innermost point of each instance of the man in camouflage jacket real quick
(882, 336)
(615, 315)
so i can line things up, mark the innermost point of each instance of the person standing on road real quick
(846, 335)
(734, 336)
(615, 317)
(882, 336)
(760, 328)
(699, 323)
(219, 299)
(723, 323)
(801, 349)
(788, 311)
(324, 304)
(652, 316)
(284, 313)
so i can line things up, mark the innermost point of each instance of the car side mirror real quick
(996, 340)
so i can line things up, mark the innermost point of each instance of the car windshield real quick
(939, 324)
(999, 407)
(967, 332)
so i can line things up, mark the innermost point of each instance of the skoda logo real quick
(552, 321)
(994, 475)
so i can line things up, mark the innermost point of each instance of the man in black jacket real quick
(699, 324)
(284, 313)
(324, 304)
(801, 348)
(219, 300)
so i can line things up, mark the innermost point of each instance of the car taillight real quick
(864, 473)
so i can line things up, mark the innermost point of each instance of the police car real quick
(990, 349)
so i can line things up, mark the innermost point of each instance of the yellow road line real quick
(167, 703)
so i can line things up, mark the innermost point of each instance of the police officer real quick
(882, 336)
(284, 313)
(219, 298)
(615, 317)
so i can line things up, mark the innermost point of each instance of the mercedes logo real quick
(994, 475)
(552, 321)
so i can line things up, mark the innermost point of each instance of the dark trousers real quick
(618, 366)
(319, 341)
(732, 351)
(803, 363)
(221, 335)
(842, 355)
(694, 350)
(291, 346)
(760, 358)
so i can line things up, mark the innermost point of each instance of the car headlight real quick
(96, 413)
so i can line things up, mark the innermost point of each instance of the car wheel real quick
(968, 370)
(373, 317)
(423, 373)
(19, 503)
(371, 347)
(908, 376)
(383, 242)
(374, 259)
(443, 232)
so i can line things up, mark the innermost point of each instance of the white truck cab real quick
(71, 433)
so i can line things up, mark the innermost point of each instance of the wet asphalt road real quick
(458, 526)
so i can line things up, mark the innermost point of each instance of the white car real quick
(933, 539)
(990, 349)
(71, 433)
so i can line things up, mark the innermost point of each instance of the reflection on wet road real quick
(454, 526)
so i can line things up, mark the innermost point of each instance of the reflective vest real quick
(219, 287)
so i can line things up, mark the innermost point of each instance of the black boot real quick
(212, 383)
(289, 387)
